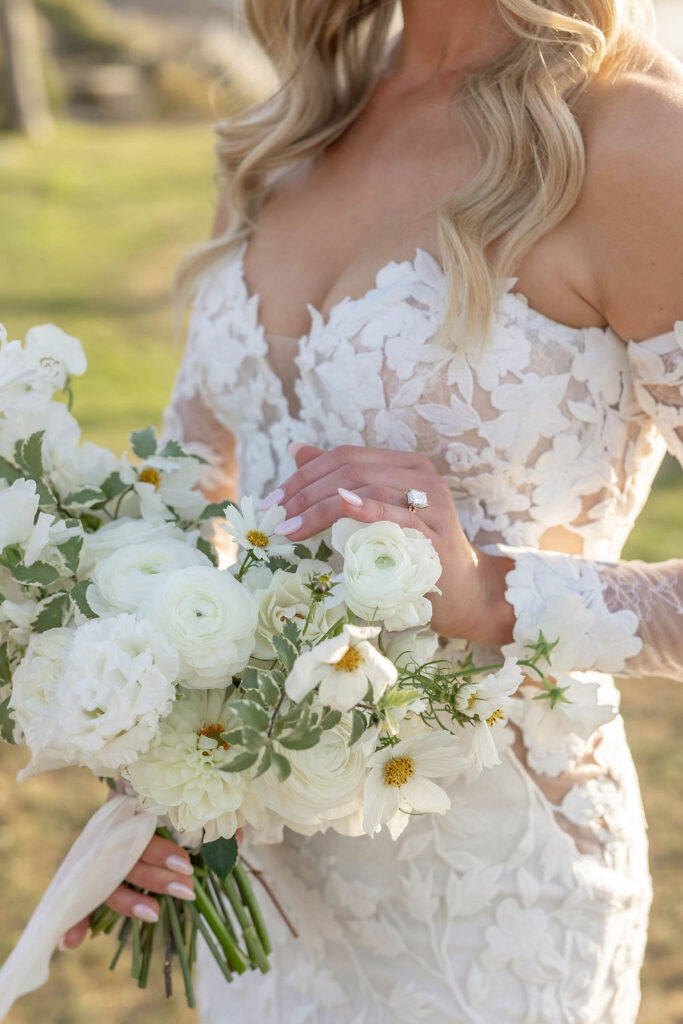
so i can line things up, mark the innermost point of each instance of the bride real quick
(450, 260)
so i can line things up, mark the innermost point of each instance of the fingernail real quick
(62, 946)
(179, 864)
(294, 447)
(274, 498)
(349, 496)
(289, 526)
(146, 913)
(180, 891)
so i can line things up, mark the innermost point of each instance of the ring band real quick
(416, 499)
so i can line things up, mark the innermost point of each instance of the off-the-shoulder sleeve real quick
(622, 617)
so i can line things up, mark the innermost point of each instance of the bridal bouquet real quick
(299, 687)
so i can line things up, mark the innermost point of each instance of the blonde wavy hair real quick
(520, 111)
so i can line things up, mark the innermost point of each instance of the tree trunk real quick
(24, 83)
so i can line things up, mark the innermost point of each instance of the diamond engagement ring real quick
(416, 499)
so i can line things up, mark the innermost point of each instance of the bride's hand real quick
(164, 868)
(370, 484)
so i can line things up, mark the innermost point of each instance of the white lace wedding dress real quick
(527, 902)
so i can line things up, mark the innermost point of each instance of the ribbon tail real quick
(99, 860)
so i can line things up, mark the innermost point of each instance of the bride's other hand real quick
(164, 868)
(369, 485)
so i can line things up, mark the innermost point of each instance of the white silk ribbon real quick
(99, 860)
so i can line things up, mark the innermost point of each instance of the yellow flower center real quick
(349, 661)
(257, 539)
(398, 771)
(471, 699)
(214, 731)
(497, 716)
(150, 475)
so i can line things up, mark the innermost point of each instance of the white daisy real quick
(169, 482)
(399, 781)
(253, 530)
(344, 667)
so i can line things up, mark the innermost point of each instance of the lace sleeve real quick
(620, 617)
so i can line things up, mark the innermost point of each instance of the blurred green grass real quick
(93, 224)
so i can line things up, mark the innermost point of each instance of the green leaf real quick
(5, 670)
(265, 762)
(280, 763)
(11, 556)
(144, 442)
(330, 719)
(268, 689)
(86, 497)
(286, 650)
(249, 680)
(358, 727)
(216, 509)
(29, 454)
(207, 548)
(297, 741)
(78, 596)
(8, 471)
(220, 856)
(6, 722)
(251, 738)
(276, 562)
(291, 632)
(113, 485)
(240, 762)
(324, 552)
(250, 713)
(301, 551)
(173, 450)
(71, 553)
(52, 614)
(39, 573)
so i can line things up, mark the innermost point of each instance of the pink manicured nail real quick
(274, 498)
(179, 864)
(289, 526)
(294, 447)
(180, 891)
(349, 496)
(145, 913)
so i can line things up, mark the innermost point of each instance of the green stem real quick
(244, 886)
(180, 950)
(147, 948)
(209, 939)
(233, 953)
(135, 964)
(124, 934)
(215, 890)
(256, 952)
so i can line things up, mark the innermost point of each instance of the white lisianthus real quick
(253, 530)
(38, 540)
(121, 532)
(169, 482)
(580, 714)
(285, 595)
(33, 690)
(343, 667)
(124, 580)
(399, 781)
(59, 354)
(116, 684)
(387, 572)
(180, 775)
(326, 781)
(488, 698)
(209, 617)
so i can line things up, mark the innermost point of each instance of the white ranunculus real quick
(124, 580)
(284, 595)
(211, 619)
(33, 689)
(326, 781)
(343, 667)
(410, 647)
(58, 353)
(121, 532)
(399, 782)
(387, 572)
(180, 775)
(117, 683)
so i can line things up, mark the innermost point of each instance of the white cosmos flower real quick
(125, 579)
(24, 383)
(209, 617)
(253, 530)
(120, 533)
(59, 354)
(487, 698)
(169, 482)
(399, 782)
(180, 775)
(387, 572)
(344, 667)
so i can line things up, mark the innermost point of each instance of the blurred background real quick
(106, 179)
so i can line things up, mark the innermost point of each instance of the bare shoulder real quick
(632, 203)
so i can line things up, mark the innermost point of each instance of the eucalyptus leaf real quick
(297, 741)
(331, 718)
(281, 765)
(52, 614)
(358, 726)
(220, 856)
(144, 442)
(286, 650)
(40, 573)
(240, 762)
(251, 714)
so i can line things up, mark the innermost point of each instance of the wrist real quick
(496, 619)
